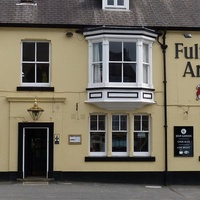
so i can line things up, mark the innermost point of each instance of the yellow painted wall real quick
(182, 97)
(69, 77)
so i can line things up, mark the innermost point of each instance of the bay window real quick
(120, 68)
(121, 64)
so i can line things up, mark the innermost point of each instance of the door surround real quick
(21, 133)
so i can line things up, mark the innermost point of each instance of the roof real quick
(81, 13)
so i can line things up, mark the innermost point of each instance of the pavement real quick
(94, 191)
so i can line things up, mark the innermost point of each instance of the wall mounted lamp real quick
(35, 111)
(69, 34)
(188, 35)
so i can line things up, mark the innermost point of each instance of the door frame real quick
(21, 146)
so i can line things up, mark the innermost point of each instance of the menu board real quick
(183, 141)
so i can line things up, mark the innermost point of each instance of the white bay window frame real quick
(105, 62)
(122, 91)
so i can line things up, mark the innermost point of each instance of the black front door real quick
(35, 149)
(35, 152)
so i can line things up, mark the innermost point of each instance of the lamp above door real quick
(35, 111)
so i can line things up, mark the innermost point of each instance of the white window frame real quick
(147, 153)
(139, 40)
(105, 5)
(35, 62)
(99, 131)
(127, 138)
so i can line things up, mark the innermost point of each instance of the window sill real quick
(120, 159)
(30, 88)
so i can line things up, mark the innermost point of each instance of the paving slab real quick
(94, 191)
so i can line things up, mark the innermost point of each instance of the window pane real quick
(97, 52)
(115, 72)
(145, 123)
(28, 51)
(101, 122)
(115, 52)
(93, 122)
(129, 51)
(119, 142)
(145, 74)
(43, 52)
(28, 73)
(42, 73)
(145, 53)
(123, 122)
(141, 143)
(137, 123)
(97, 142)
(115, 122)
(110, 2)
(97, 73)
(120, 2)
(129, 72)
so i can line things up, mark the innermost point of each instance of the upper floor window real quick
(122, 62)
(120, 67)
(115, 4)
(35, 63)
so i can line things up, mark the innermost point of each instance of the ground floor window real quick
(119, 134)
(97, 134)
(141, 135)
(112, 133)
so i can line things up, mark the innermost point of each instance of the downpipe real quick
(162, 35)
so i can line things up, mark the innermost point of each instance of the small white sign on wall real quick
(74, 139)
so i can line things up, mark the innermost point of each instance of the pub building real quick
(100, 90)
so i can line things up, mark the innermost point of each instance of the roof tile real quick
(150, 13)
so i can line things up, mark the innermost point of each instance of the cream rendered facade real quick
(67, 110)
(183, 104)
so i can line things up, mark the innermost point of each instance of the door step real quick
(36, 181)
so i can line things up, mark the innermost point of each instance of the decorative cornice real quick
(39, 99)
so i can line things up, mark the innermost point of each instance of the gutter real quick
(164, 48)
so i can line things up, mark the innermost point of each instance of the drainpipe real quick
(164, 48)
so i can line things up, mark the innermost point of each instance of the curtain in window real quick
(97, 65)
(145, 64)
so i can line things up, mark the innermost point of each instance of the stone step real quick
(35, 180)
